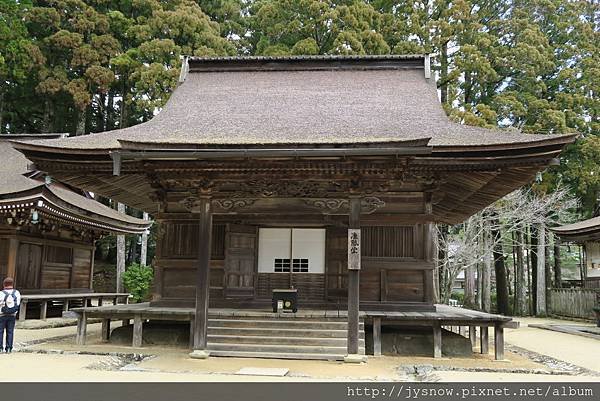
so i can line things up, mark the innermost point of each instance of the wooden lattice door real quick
(240, 261)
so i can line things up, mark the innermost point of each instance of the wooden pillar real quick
(498, 342)
(485, 340)
(22, 310)
(202, 207)
(43, 310)
(353, 280)
(105, 330)
(473, 336)
(377, 336)
(192, 325)
(540, 305)
(13, 251)
(429, 251)
(120, 253)
(81, 328)
(144, 247)
(437, 340)
(138, 325)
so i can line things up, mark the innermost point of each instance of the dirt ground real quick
(533, 355)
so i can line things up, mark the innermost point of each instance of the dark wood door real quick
(29, 264)
(240, 261)
(336, 266)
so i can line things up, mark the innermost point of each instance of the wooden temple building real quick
(48, 230)
(322, 174)
(586, 233)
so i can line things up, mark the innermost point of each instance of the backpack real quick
(10, 303)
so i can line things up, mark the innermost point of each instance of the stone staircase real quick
(280, 337)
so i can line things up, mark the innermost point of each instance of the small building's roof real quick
(300, 101)
(20, 192)
(586, 230)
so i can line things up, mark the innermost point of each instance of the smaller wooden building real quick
(586, 233)
(47, 230)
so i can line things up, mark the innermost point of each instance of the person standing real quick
(10, 299)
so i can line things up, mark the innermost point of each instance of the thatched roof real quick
(301, 101)
(16, 188)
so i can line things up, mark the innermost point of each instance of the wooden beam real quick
(105, 329)
(202, 277)
(498, 342)
(138, 325)
(13, 251)
(81, 328)
(485, 340)
(473, 336)
(437, 340)
(43, 310)
(353, 281)
(377, 336)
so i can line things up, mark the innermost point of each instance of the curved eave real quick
(47, 203)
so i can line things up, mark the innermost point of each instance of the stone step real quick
(278, 340)
(276, 323)
(281, 349)
(278, 355)
(281, 332)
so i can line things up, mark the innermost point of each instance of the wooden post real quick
(105, 330)
(11, 262)
(120, 253)
(22, 310)
(377, 336)
(485, 340)
(202, 207)
(353, 281)
(137, 331)
(100, 301)
(498, 342)
(43, 310)
(144, 247)
(81, 328)
(473, 336)
(437, 340)
(65, 305)
(429, 251)
(192, 326)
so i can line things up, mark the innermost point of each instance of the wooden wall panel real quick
(336, 263)
(388, 241)
(310, 286)
(405, 285)
(180, 239)
(81, 268)
(179, 283)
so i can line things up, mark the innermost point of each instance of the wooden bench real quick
(66, 298)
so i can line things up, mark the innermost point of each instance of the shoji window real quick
(296, 250)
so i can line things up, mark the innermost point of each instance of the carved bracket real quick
(232, 204)
(369, 204)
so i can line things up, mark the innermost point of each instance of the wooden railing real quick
(574, 302)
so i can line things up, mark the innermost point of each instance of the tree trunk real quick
(120, 254)
(557, 266)
(521, 307)
(528, 297)
(110, 112)
(81, 117)
(486, 270)
(500, 270)
(47, 119)
(444, 73)
(534, 249)
(540, 277)
(442, 261)
(469, 301)
(1, 111)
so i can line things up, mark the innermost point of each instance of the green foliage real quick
(137, 279)
(79, 67)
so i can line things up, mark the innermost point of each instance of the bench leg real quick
(66, 305)
(105, 330)
(100, 301)
(192, 326)
(22, 311)
(43, 310)
(473, 336)
(498, 342)
(127, 300)
(115, 300)
(437, 340)
(485, 340)
(81, 328)
(377, 336)
(137, 331)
